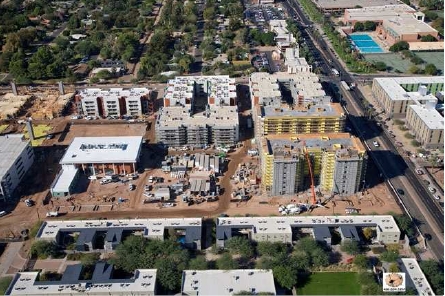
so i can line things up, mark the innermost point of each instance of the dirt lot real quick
(438, 175)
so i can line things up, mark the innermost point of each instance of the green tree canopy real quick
(430, 69)
(399, 46)
(285, 276)
(272, 249)
(390, 256)
(380, 66)
(43, 249)
(240, 245)
(361, 261)
(350, 247)
(226, 262)
(358, 27)
(199, 263)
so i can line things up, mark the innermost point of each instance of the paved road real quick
(396, 170)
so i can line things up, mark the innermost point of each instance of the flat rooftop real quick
(102, 150)
(431, 117)
(415, 276)
(25, 283)
(343, 4)
(227, 282)
(318, 110)
(377, 13)
(393, 86)
(331, 141)
(176, 116)
(113, 93)
(64, 180)
(273, 225)
(50, 229)
(11, 146)
(406, 24)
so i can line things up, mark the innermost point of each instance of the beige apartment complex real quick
(427, 125)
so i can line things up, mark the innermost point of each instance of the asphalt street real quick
(396, 170)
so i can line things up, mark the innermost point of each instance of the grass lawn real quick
(330, 283)
(40, 132)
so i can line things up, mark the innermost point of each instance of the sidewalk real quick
(11, 258)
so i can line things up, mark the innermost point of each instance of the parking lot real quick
(262, 14)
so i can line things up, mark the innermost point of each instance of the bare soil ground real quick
(437, 174)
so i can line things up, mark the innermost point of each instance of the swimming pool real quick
(365, 44)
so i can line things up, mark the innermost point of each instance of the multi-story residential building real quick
(395, 94)
(227, 282)
(286, 229)
(303, 86)
(102, 282)
(216, 90)
(338, 162)
(16, 157)
(427, 124)
(293, 61)
(111, 232)
(115, 102)
(321, 116)
(199, 111)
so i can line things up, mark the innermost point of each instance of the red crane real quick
(314, 200)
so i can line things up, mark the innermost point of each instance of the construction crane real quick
(314, 200)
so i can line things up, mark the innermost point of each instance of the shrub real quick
(428, 38)
(43, 249)
(398, 122)
(377, 250)
(416, 60)
(430, 69)
(389, 256)
(403, 128)
(415, 143)
(381, 66)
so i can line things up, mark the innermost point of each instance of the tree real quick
(369, 233)
(405, 223)
(198, 263)
(350, 247)
(306, 244)
(299, 260)
(369, 26)
(226, 262)
(399, 46)
(43, 249)
(358, 27)
(372, 289)
(89, 259)
(394, 267)
(365, 278)
(416, 60)
(272, 249)
(414, 69)
(428, 38)
(430, 69)
(285, 276)
(167, 274)
(438, 25)
(380, 66)
(389, 256)
(434, 272)
(240, 245)
(320, 258)
(361, 261)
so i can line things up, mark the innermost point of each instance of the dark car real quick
(400, 191)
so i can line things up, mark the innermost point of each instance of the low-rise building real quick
(16, 158)
(115, 102)
(394, 22)
(294, 62)
(227, 282)
(395, 94)
(101, 283)
(339, 6)
(283, 37)
(187, 230)
(426, 123)
(338, 163)
(284, 229)
(414, 276)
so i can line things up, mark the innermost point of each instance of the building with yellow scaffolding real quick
(338, 162)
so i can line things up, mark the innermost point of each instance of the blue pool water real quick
(365, 44)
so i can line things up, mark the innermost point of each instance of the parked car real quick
(3, 213)
(50, 136)
(400, 191)
(436, 197)
(52, 214)
(104, 181)
(431, 189)
(131, 187)
(93, 177)
(376, 144)
(29, 202)
(419, 172)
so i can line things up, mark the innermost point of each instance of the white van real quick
(3, 213)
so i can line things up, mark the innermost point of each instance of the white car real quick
(437, 197)
(431, 189)
(376, 144)
(419, 172)
(93, 177)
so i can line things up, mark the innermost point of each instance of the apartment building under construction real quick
(338, 163)
(199, 111)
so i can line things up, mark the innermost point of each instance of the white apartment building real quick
(114, 102)
(293, 61)
(283, 37)
(16, 157)
(426, 124)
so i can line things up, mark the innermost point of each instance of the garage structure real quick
(103, 155)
